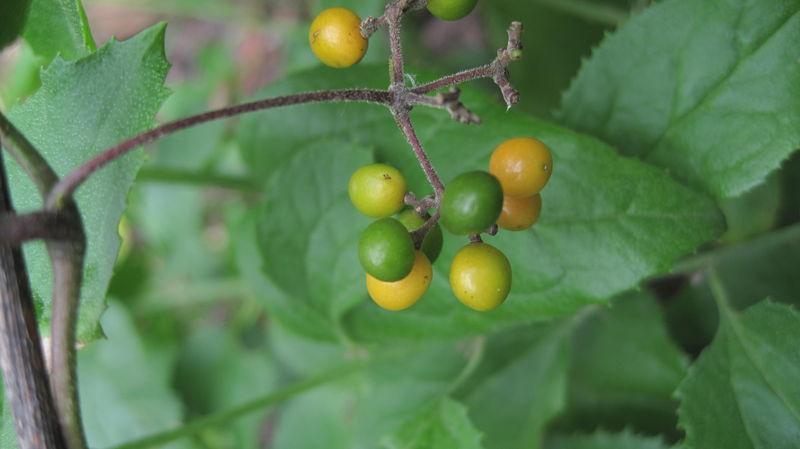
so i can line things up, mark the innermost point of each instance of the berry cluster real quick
(397, 251)
(398, 265)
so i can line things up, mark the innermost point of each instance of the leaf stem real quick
(718, 291)
(255, 405)
(177, 176)
(28, 157)
(69, 183)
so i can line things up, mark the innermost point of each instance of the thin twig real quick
(449, 101)
(393, 14)
(404, 123)
(178, 176)
(484, 71)
(496, 70)
(24, 373)
(69, 183)
(418, 235)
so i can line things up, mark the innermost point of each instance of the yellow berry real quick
(406, 292)
(335, 37)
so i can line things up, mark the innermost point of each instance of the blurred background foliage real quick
(188, 336)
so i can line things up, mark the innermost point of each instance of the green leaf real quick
(307, 233)
(707, 90)
(743, 392)
(365, 409)
(754, 212)
(520, 386)
(607, 221)
(15, 13)
(82, 108)
(624, 369)
(117, 404)
(764, 267)
(231, 375)
(59, 27)
(442, 425)
(605, 440)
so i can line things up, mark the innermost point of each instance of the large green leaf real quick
(743, 392)
(370, 407)
(520, 386)
(442, 425)
(82, 108)
(624, 369)
(119, 405)
(607, 221)
(59, 27)
(605, 440)
(15, 13)
(705, 89)
(215, 373)
(307, 233)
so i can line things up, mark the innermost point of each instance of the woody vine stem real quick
(59, 223)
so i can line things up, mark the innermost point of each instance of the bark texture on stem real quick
(41, 225)
(24, 373)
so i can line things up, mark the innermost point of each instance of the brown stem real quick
(449, 101)
(24, 373)
(496, 70)
(69, 183)
(484, 71)
(47, 225)
(418, 235)
(404, 123)
(393, 14)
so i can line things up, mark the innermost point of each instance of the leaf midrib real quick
(675, 121)
(737, 331)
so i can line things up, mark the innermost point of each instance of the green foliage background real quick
(653, 304)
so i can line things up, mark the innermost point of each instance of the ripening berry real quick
(406, 292)
(522, 165)
(335, 37)
(480, 276)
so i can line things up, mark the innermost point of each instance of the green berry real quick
(451, 9)
(385, 250)
(377, 190)
(472, 202)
